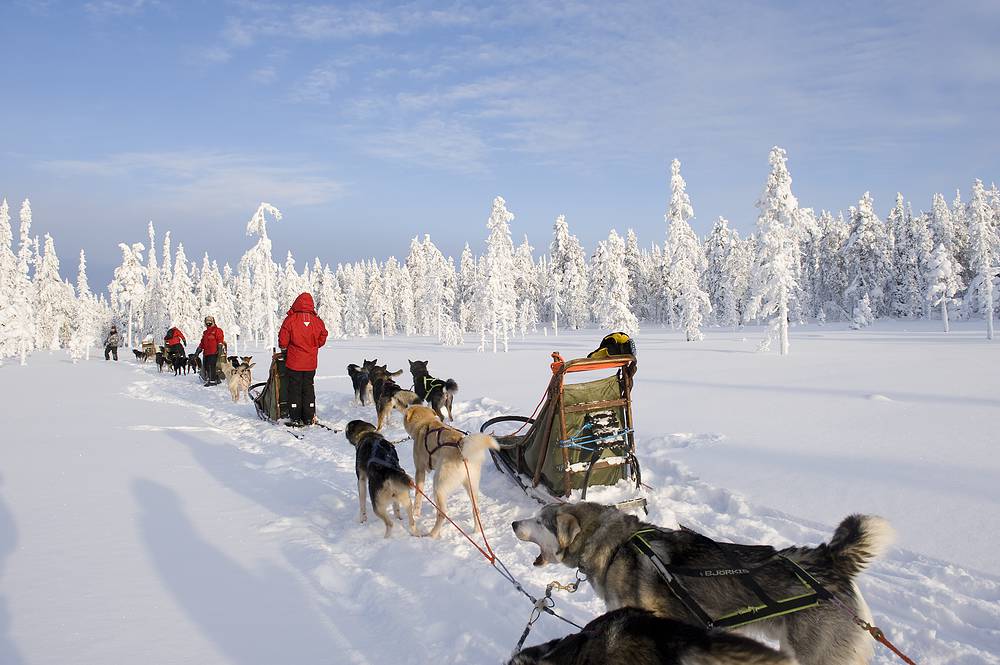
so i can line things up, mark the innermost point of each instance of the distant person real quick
(301, 336)
(175, 342)
(111, 343)
(211, 340)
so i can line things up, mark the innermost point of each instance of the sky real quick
(368, 123)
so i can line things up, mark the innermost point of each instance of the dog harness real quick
(440, 445)
(768, 607)
(427, 384)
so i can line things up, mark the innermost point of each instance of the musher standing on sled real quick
(111, 344)
(211, 339)
(175, 341)
(302, 334)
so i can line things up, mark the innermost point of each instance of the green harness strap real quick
(766, 610)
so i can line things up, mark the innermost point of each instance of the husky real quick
(436, 392)
(139, 355)
(449, 453)
(194, 362)
(161, 359)
(179, 365)
(361, 380)
(596, 540)
(388, 395)
(240, 380)
(631, 636)
(377, 465)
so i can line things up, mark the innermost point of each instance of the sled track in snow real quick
(934, 611)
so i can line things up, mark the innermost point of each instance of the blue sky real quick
(367, 123)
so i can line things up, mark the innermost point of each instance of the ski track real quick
(935, 611)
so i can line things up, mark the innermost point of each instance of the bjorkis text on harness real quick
(767, 609)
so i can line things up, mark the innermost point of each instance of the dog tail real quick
(475, 445)
(858, 540)
(451, 386)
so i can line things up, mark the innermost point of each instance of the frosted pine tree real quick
(912, 246)
(406, 316)
(773, 285)
(379, 307)
(262, 277)
(719, 245)
(526, 288)
(808, 277)
(960, 223)
(9, 284)
(331, 308)
(637, 277)
(465, 292)
(416, 263)
(86, 331)
(216, 300)
(862, 316)
(984, 251)
(832, 267)
(943, 281)
(610, 287)
(497, 309)
(182, 304)
(568, 265)
(154, 315)
(22, 322)
(686, 262)
(867, 256)
(352, 283)
(128, 288)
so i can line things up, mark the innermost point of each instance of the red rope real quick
(489, 555)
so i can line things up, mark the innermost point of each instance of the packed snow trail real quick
(154, 520)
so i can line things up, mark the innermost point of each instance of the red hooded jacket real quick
(174, 336)
(301, 334)
(211, 339)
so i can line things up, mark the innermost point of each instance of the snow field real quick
(156, 521)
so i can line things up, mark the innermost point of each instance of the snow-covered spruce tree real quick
(808, 276)
(984, 251)
(568, 266)
(637, 277)
(21, 335)
(154, 314)
(216, 300)
(609, 287)
(526, 288)
(331, 308)
(128, 288)
(86, 321)
(262, 275)
(497, 310)
(942, 227)
(289, 284)
(961, 225)
(9, 285)
(379, 307)
(686, 261)
(437, 293)
(867, 256)
(416, 263)
(862, 317)
(773, 285)
(719, 245)
(465, 290)
(352, 283)
(911, 249)
(832, 271)
(182, 304)
(406, 315)
(943, 281)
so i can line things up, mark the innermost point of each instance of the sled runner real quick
(268, 397)
(582, 435)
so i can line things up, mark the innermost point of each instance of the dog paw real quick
(362, 519)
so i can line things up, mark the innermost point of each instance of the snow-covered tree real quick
(182, 303)
(862, 316)
(352, 283)
(50, 304)
(610, 287)
(943, 280)
(568, 290)
(86, 319)
(911, 249)
(526, 288)
(154, 315)
(380, 312)
(773, 284)
(465, 290)
(983, 255)
(867, 255)
(331, 308)
(127, 288)
(261, 272)
(497, 310)
(10, 284)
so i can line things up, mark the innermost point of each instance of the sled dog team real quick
(646, 622)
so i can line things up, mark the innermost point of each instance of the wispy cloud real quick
(437, 143)
(114, 8)
(195, 180)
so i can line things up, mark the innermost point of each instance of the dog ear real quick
(567, 529)
(251, 365)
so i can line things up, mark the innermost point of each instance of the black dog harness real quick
(768, 607)
(427, 385)
(440, 445)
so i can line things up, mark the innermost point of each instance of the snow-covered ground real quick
(145, 519)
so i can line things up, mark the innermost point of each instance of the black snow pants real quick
(301, 395)
(209, 369)
(110, 350)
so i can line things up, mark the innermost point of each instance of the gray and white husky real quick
(596, 539)
(377, 466)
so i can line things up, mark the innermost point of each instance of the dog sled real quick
(268, 397)
(582, 435)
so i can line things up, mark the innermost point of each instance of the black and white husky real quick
(436, 392)
(378, 469)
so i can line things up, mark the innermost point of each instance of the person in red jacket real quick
(175, 341)
(302, 334)
(211, 340)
